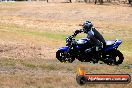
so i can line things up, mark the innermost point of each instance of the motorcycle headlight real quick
(67, 39)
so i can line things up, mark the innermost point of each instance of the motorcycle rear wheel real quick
(115, 58)
(118, 57)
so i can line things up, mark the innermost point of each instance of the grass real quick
(7, 62)
(7, 3)
(30, 32)
(29, 65)
(54, 65)
(52, 74)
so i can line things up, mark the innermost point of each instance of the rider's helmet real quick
(87, 25)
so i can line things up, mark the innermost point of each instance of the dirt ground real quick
(31, 33)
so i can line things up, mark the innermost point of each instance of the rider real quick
(92, 34)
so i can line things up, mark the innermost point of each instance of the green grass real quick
(29, 65)
(18, 30)
(7, 62)
(7, 3)
(31, 32)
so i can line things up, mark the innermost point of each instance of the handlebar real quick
(72, 37)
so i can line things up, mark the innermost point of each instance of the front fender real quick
(64, 49)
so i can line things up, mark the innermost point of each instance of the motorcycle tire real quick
(62, 57)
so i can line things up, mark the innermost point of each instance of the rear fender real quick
(117, 43)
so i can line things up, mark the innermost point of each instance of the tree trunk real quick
(101, 2)
(95, 2)
(70, 1)
(85, 1)
(109, 1)
(129, 1)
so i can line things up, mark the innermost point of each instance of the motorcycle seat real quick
(110, 42)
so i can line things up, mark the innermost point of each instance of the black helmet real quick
(87, 25)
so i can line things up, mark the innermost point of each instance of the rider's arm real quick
(78, 31)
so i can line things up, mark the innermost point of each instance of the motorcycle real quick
(85, 51)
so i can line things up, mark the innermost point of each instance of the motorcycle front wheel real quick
(64, 57)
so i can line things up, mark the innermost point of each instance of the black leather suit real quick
(94, 36)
